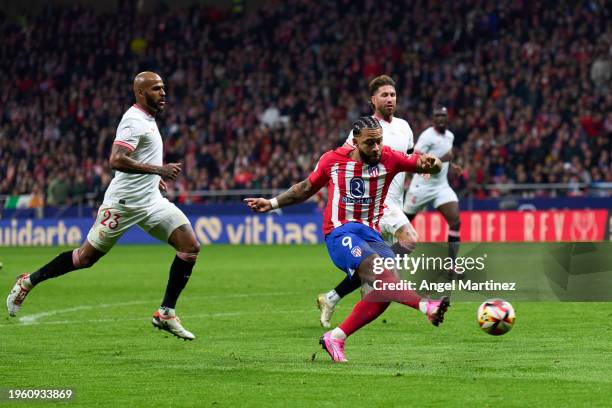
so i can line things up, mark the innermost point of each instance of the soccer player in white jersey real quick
(434, 189)
(394, 225)
(133, 198)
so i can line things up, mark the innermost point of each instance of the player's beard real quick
(371, 160)
(385, 111)
(153, 104)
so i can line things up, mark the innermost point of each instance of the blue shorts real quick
(351, 243)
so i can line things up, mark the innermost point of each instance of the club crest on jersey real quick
(356, 251)
(357, 187)
(373, 171)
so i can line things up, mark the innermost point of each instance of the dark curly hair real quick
(365, 122)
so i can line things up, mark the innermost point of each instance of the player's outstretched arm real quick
(428, 164)
(298, 193)
(120, 160)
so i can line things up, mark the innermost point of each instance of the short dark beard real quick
(151, 104)
(366, 159)
(384, 116)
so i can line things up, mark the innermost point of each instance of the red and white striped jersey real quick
(356, 191)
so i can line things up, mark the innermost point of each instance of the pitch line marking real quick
(33, 318)
(196, 316)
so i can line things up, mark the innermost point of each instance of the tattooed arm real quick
(298, 193)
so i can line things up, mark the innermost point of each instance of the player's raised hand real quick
(171, 171)
(258, 204)
(428, 164)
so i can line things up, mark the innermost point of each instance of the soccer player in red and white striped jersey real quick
(395, 227)
(358, 178)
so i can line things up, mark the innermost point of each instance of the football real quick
(496, 317)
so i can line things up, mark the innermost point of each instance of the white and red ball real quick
(496, 317)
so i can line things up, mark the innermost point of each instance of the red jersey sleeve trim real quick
(124, 144)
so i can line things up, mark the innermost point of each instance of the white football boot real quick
(326, 308)
(171, 324)
(17, 295)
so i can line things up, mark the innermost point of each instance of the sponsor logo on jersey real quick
(350, 200)
(357, 187)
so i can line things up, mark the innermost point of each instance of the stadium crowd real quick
(256, 98)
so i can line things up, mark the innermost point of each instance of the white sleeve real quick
(422, 144)
(349, 139)
(128, 134)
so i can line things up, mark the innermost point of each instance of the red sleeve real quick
(403, 161)
(320, 176)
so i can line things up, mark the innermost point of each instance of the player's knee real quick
(190, 252)
(407, 237)
(195, 247)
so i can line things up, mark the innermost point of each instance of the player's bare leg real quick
(183, 239)
(79, 258)
(450, 212)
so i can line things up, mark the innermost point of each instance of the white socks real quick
(423, 306)
(332, 296)
(338, 334)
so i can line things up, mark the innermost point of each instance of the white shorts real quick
(158, 220)
(393, 219)
(419, 195)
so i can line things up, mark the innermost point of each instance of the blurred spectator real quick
(58, 190)
(601, 70)
(254, 99)
(79, 189)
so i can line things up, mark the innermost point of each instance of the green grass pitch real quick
(253, 311)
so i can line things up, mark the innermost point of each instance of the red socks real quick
(377, 301)
(363, 313)
(388, 289)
